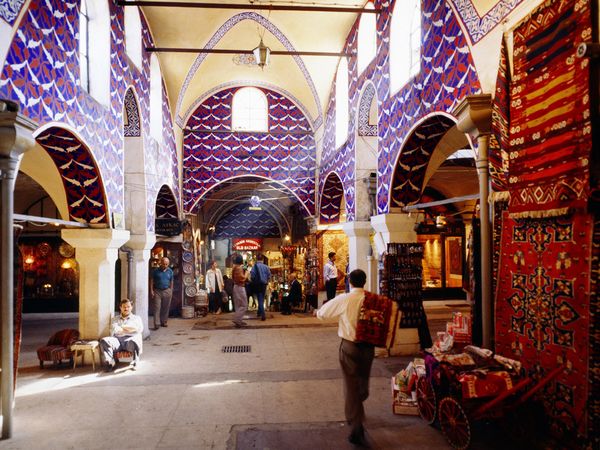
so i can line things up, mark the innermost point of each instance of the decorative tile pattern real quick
(241, 83)
(81, 178)
(364, 109)
(131, 125)
(166, 205)
(9, 10)
(41, 74)
(477, 26)
(213, 153)
(448, 75)
(224, 29)
(240, 221)
(331, 200)
(411, 166)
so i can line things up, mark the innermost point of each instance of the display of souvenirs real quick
(401, 280)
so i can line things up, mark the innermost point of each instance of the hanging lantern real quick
(262, 54)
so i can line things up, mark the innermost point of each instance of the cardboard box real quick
(406, 408)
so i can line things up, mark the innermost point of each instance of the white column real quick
(393, 228)
(141, 246)
(15, 139)
(96, 253)
(359, 244)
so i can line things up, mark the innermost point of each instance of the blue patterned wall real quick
(447, 76)
(241, 222)
(213, 153)
(41, 74)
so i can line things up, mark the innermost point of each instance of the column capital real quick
(16, 131)
(474, 115)
(141, 241)
(357, 228)
(95, 238)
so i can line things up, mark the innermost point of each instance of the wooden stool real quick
(79, 348)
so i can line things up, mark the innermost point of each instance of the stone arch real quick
(331, 199)
(414, 157)
(304, 208)
(82, 181)
(166, 204)
(213, 41)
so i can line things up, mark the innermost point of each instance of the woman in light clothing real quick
(214, 286)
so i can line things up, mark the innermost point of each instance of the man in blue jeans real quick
(161, 291)
(260, 275)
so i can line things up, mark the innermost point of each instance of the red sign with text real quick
(247, 243)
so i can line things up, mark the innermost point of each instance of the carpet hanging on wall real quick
(543, 306)
(550, 129)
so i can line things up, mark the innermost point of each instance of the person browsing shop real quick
(161, 291)
(355, 357)
(215, 286)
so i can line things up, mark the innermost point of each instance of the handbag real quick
(224, 297)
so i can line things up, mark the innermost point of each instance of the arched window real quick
(341, 103)
(249, 110)
(156, 100)
(133, 35)
(84, 63)
(94, 49)
(367, 39)
(405, 43)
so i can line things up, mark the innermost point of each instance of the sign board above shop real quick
(247, 243)
(168, 227)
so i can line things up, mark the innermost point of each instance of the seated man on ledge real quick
(126, 335)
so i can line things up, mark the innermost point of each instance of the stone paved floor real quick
(284, 394)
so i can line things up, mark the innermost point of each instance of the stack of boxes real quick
(460, 328)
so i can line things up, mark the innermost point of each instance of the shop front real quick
(443, 260)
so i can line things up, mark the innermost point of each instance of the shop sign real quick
(168, 227)
(247, 243)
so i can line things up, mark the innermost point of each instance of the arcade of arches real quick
(467, 127)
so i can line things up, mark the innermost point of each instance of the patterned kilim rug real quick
(550, 129)
(542, 306)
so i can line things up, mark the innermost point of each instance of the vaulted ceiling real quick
(190, 76)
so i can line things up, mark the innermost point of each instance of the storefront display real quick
(443, 260)
(50, 275)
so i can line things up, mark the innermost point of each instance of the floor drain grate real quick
(236, 349)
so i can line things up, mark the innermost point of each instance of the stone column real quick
(15, 139)
(96, 253)
(359, 244)
(141, 247)
(474, 116)
(393, 228)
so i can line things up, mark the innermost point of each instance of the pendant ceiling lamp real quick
(262, 55)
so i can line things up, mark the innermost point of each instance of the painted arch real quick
(166, 204)
(82, 181)
(414, 157)
(331, 199)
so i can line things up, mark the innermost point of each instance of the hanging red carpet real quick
(550, 129)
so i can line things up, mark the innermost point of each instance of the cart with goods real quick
(459, 389)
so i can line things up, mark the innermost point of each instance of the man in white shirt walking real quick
(356, 358)
(330, 276)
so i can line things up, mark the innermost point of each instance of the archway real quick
(332, 200)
